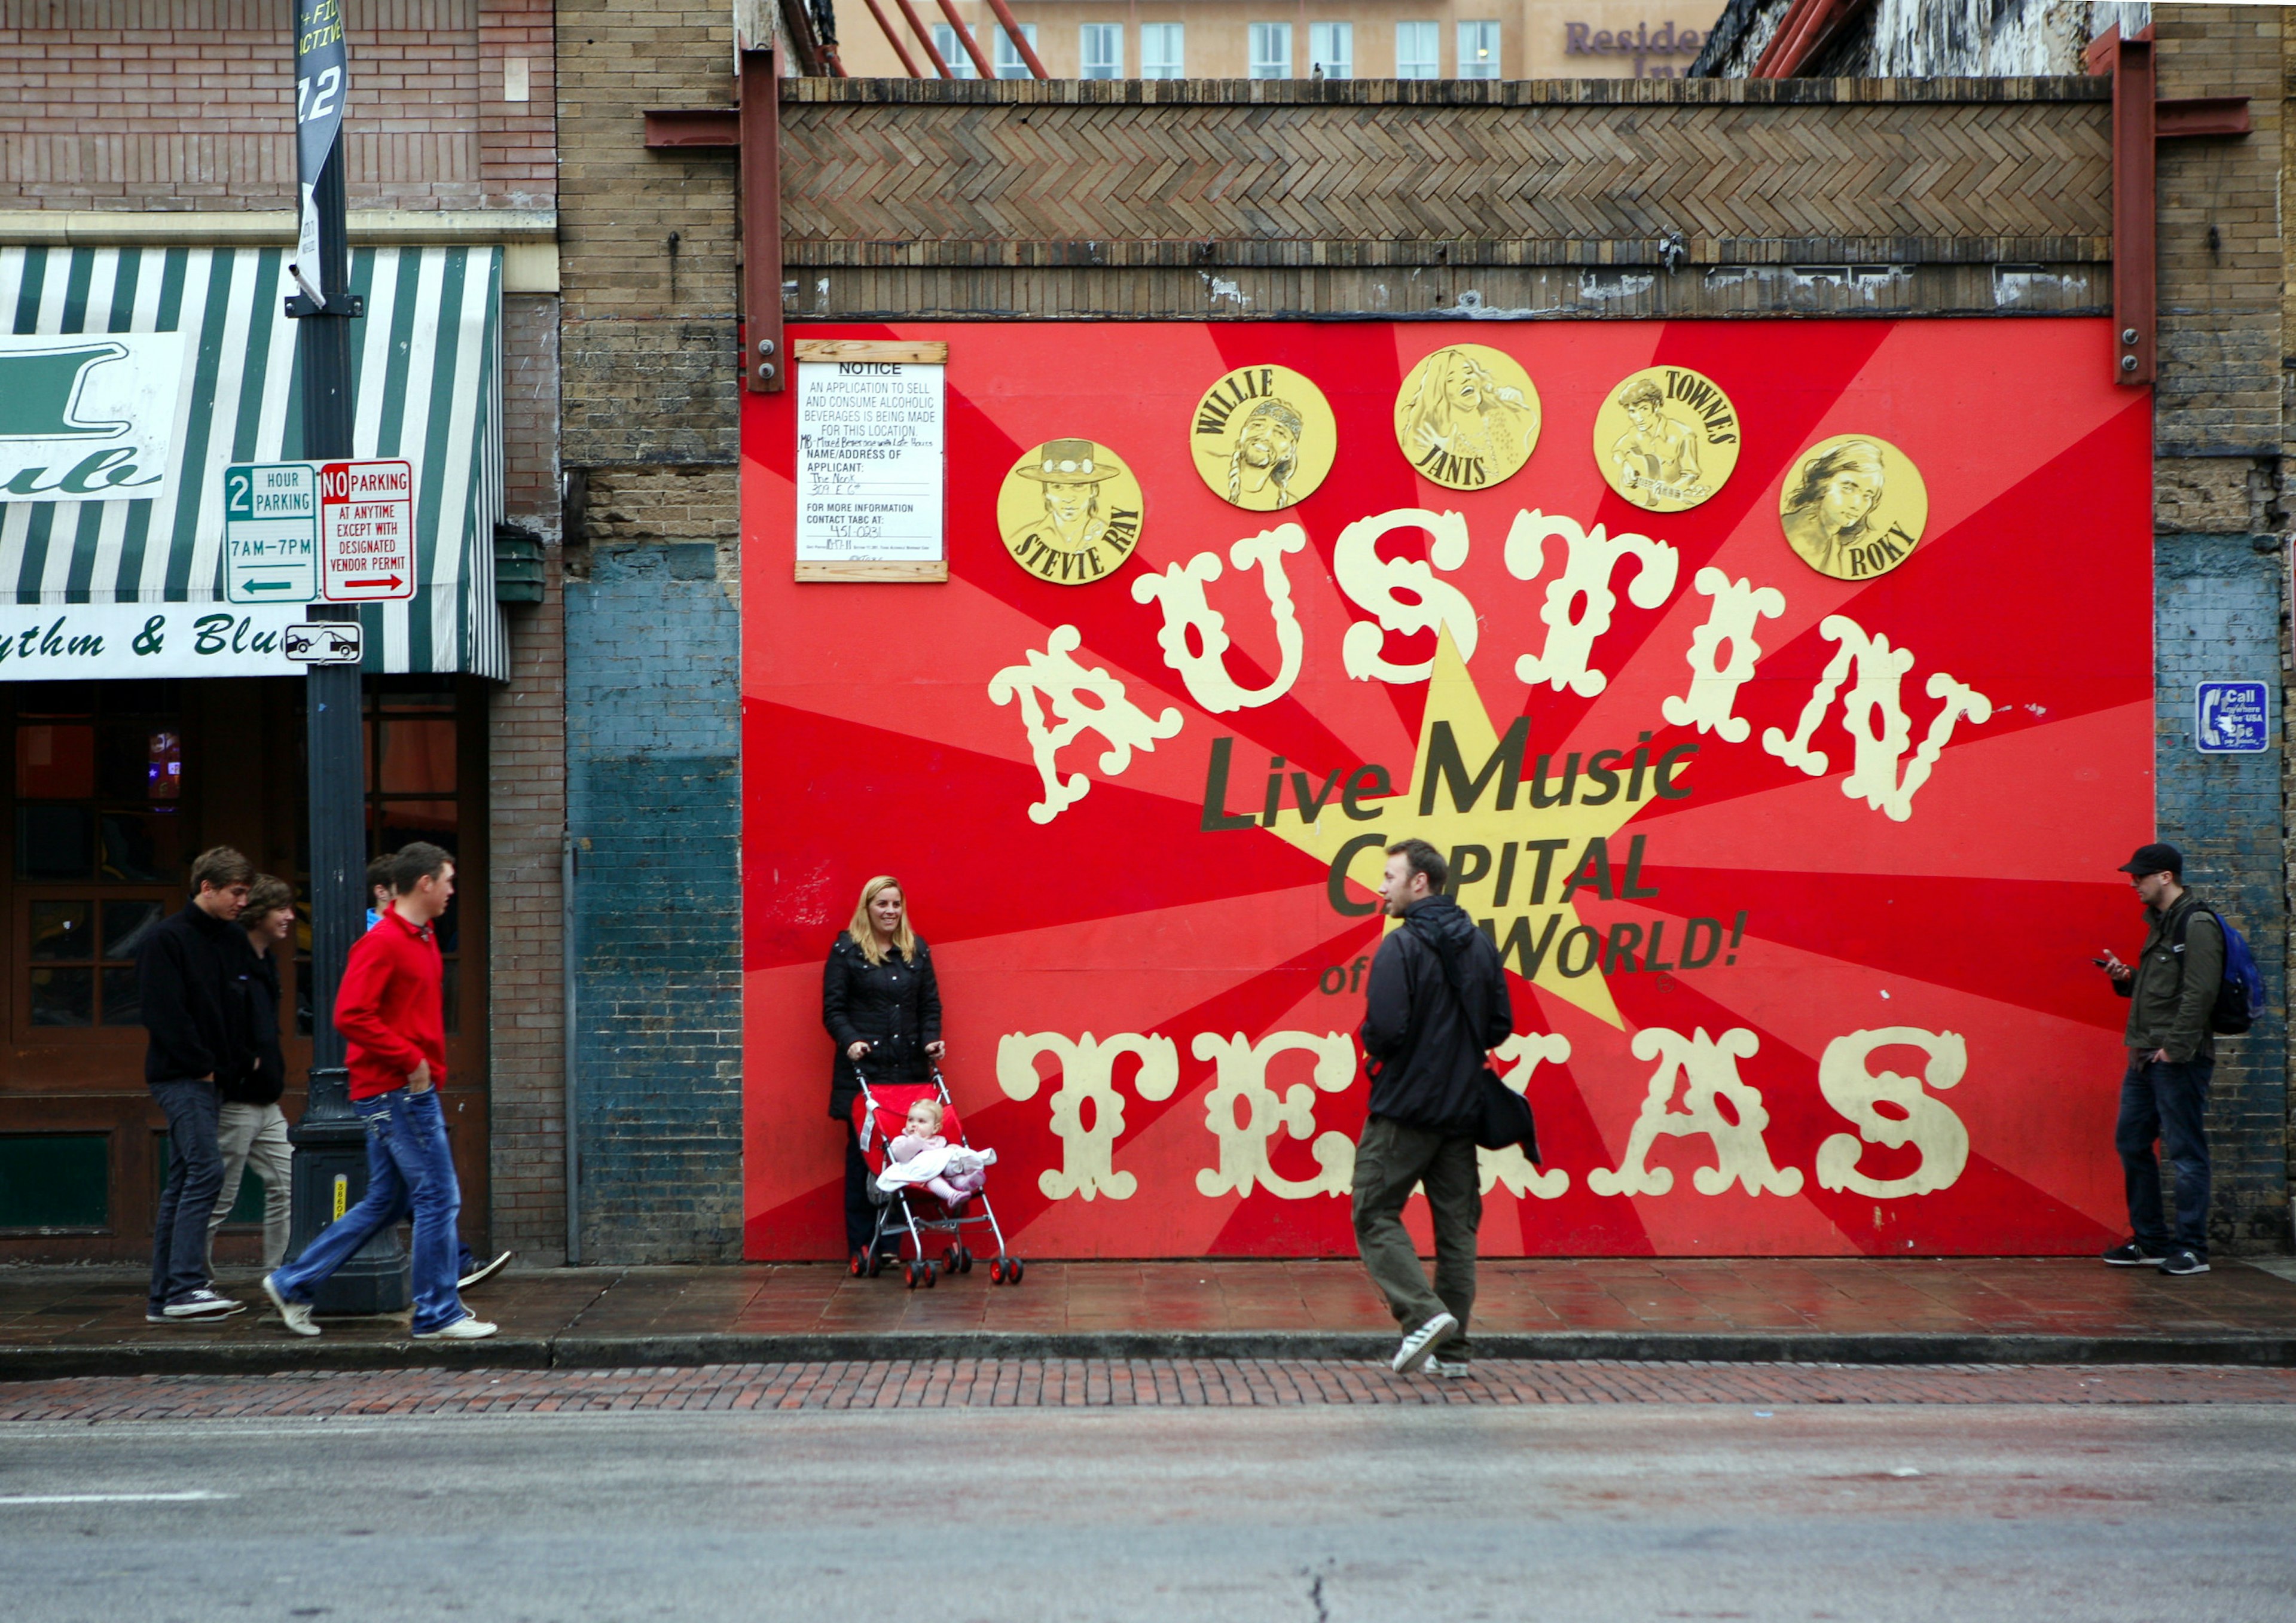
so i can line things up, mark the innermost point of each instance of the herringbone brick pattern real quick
(1114, 184)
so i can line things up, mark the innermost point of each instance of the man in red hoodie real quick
(390, 1015)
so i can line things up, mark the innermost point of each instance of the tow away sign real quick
(366, 532)
(271, 532)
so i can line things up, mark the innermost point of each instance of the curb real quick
(572, 1352)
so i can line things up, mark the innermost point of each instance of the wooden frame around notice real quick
(926, 354)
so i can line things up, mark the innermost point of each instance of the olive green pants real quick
(1391, 1160)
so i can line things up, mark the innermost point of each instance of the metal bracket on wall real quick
(753, 128)
(765, 367)
(2141, 121)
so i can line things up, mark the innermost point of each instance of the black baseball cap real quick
(2156, 859)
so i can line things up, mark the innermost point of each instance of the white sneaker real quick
(1446, 1369)
(470, 1327)
(484, 1271)
(200, 1305)
(295, 1315)
(1419, 1346)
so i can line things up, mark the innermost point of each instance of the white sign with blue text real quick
(2231, 717)
(271, 532)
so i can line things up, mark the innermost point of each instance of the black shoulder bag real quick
(1502, 1116)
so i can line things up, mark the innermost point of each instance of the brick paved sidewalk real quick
(57, 1320)
(1104, 1384)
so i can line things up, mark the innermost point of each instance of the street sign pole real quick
(329, 1166)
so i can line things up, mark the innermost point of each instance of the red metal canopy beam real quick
(1020, 40)
(892, 38)
(964, 37)
(667, 129)
(2186, 118)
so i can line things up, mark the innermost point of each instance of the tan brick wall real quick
(2219, 220)
(182, 104)
(651, 367)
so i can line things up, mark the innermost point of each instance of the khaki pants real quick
(254, 1135)
(1389, 1159)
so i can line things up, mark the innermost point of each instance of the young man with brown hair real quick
(252, 1129)
(1434, 1007)
(390, 1010)
(190, 973)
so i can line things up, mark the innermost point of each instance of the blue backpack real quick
(2240, 995)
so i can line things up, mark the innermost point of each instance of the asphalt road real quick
(1311, 1515)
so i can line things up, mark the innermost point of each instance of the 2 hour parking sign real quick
(366, 532)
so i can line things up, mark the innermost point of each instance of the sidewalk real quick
(2009, 1310)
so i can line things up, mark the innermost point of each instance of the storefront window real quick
(412, 779)
(99, 772)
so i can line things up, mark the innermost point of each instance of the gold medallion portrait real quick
(1666, 438)
(1853, 506)
(1467, 416)
(1263, 438)
(1070, 512)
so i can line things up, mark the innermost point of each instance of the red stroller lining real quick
(879, 1127)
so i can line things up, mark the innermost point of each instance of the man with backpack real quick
(1435, 1005)
(2173, 993)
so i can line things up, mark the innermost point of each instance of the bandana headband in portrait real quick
(1286, 419)
(1070, 462)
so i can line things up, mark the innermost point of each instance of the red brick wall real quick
(187, 104)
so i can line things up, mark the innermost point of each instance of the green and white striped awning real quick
(428, 360)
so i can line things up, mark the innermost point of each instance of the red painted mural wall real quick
(1786, 719)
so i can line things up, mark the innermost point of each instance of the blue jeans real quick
(179, 1231)
(408, 1169)
(2169, 1102)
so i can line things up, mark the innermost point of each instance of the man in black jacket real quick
(1434, 1007)
(190, 973)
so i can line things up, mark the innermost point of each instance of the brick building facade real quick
(612, 745)
(909, 201)
(136, 129)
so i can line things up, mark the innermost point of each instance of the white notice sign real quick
(871, 453)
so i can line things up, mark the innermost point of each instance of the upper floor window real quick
(1331, 49)
(1479, 50)
(1271, 50)
(1100, 50)
(1418, 51)
(1163, 50)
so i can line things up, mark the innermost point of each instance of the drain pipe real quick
(567, 965)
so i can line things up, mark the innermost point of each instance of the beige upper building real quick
(1272, 39)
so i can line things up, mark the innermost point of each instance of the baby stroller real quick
(878, 1118)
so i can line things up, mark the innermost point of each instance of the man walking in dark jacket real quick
(189, 972)
(1435, 1005)
(2172, 1053)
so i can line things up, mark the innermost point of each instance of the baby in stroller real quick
(919, 1154)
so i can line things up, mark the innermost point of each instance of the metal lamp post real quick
(329, 1166)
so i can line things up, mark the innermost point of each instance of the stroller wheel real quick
(909, 1275)
(948, 1256)
(1013, 1272)
(857, 1264)
(996, 1270)
(876, 1264)
(931, 1274)
(963, 1260)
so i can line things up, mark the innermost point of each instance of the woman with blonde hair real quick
(1460, 409)
(880, 1002)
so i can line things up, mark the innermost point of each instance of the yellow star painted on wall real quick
(1515, 859)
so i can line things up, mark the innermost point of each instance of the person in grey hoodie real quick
(1435, 1005)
